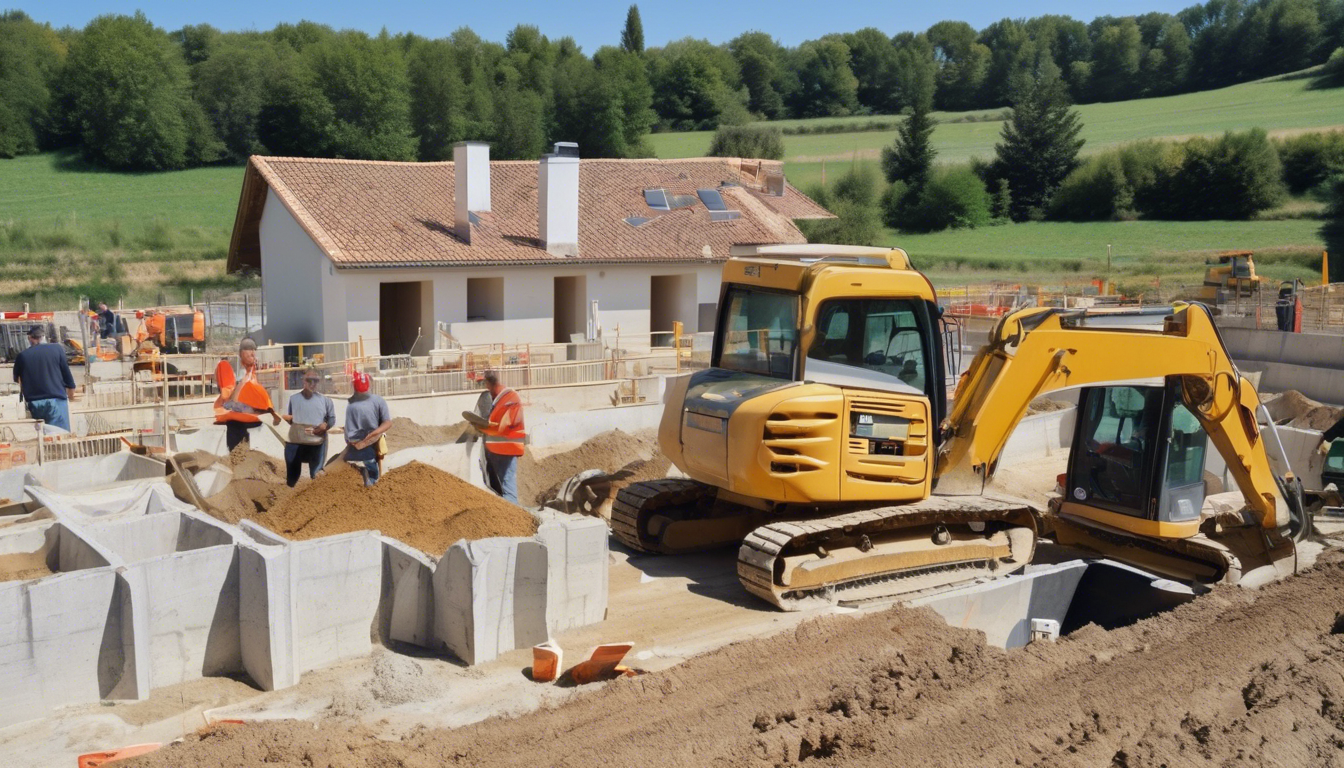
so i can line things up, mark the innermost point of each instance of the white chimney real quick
(558, 200)
(471, 184)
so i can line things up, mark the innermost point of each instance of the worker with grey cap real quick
(45, 381)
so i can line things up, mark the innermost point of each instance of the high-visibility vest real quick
(243, 401)
(508, 441)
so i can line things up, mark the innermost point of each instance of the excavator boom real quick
(1037, 351)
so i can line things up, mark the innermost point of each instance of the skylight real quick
(724, 215)
(635, 221)
(657, 199)
(712, 199)
(682, 201)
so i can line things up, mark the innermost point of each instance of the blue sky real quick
(594, 23)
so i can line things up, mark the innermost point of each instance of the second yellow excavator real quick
(820, 439)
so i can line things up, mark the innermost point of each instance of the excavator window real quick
(759, 332)
(1138, 451)
(880, 337)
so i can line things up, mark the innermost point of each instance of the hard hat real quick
(360, 381)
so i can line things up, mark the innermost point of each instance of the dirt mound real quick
(627, 458)
(258, 483)
(1297, 410)
(1046, 405)
(405, 433)
(1236, 677)
(418, 504)
(23, 571)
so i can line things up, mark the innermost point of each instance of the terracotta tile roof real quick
(382, 214)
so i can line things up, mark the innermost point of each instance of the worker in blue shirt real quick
(45, 381)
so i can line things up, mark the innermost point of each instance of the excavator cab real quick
(1137, 459)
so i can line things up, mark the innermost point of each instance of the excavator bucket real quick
(587, 493)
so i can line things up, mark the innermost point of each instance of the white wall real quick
(309, 300)
(622, 293)
(292, 269)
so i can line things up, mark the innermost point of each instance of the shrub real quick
(853, 201)
(952, 199)
(1096, 191)
(1332, 74)
(1307, 159)
(747, 141)
(1231, 177)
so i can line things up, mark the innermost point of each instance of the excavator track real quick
(888, 552)
(1247, 555)
(677, 516)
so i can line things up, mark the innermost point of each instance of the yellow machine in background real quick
(1231, 276)
(821, 440)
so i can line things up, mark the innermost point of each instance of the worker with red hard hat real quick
(367, 417)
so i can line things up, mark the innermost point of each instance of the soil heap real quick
(1237, 677)
(22, 571)
(258, 483)
(417, 504)
(1046, 405)
(626, 458)
(1294, 409)
(405, 433)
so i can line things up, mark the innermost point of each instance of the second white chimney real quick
(558, 200)
(471, 184)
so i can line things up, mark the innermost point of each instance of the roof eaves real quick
(297, 209)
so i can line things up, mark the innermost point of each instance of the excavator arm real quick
(1035, 351)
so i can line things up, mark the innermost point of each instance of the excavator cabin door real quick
(1137, 461)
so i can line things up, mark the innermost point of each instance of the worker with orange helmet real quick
(366, 419)
(505, 436)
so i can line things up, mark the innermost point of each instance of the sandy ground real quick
(672, 609)
(1234, 678)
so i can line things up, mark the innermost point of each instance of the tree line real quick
(132, 96)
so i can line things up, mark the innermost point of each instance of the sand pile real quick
(626, 458)
(418, 504)
(1237, 677)
(396, 680)
(1297, 410)
(258, 483)
(22, 570)
(1046, 405)
(405, 433)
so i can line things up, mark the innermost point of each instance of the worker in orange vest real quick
(242, 400)
(505, 435)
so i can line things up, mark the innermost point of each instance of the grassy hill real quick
(1284, 104)
(68, 229)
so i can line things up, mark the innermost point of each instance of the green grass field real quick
(1142, 252)
(1279, 105)
(67, 229)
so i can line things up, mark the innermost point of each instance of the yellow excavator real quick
(821, 442)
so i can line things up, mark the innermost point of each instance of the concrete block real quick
(1003, 608)
(460, 459)
(577, 570)
(190, 601)
(93, 472)
(490, 597)
(266, 626)
(65, 638)
(335, 585)
(407, 611)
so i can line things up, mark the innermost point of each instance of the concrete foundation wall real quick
(1045, 434)
(490, 597)
(1311, 363)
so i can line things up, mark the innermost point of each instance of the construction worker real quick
(107, 319)
(242, 400)
(311, 415)
(45, 381)
(366, 419)
(505, 436)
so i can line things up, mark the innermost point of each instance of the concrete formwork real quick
(67, 638)
(490, 597)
